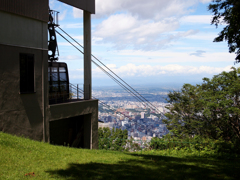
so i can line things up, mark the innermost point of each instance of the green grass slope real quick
(22, 158)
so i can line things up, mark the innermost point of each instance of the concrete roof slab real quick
(87, 5)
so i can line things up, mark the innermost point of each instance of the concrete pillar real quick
(45, 95)
(87, 55)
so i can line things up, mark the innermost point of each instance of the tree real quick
(211, 109)
(114, 139)
(227, 12)
(184, 118)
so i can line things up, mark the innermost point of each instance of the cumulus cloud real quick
(151, 9)
(141, 24)
(132, 70)
(125, 30)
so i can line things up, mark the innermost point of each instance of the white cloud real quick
(62, 15)
(151, 9)
(132, 70)
(68, 44)
(139, 56)
(197, 19)
(71, 57)
(72, 25)
(206, 36)
(51, 3)
(124, 30)
(79, 38)
(77, 13)
(205, 1)
(75, 74)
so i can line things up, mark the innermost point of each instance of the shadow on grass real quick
(224, 166)
(151, 167)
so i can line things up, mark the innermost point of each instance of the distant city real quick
(125, 112)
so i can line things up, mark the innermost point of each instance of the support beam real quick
(87, 55)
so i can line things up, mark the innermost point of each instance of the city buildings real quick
(139, 126)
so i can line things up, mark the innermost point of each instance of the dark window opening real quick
(26, 73)
(68, 132)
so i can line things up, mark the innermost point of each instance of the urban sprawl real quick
(141, 122)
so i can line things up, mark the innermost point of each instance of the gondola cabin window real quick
(58, 82)
(26, 73)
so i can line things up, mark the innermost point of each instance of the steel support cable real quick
(117, 81)
(100, 67)
(154, 107)
(150, 104)
(69, 42)
(120, 84)
(134, 95)
(124, 87)
(70, 37)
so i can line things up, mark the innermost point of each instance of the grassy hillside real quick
(26, 159)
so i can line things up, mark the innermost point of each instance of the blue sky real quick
(146, 42)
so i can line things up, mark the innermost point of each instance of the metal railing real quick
(54, 15)
(60, 94)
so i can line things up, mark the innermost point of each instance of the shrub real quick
(197, 143)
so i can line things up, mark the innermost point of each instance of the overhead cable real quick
(145, 101)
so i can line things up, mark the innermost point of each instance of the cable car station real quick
(35, 97)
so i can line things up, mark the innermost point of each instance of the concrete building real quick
(24, 86)
(142, 115)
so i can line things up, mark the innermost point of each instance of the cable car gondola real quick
(57, 71)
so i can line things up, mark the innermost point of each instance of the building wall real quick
(88, 109)
(22, 31)
(21, 114)
(35, 9)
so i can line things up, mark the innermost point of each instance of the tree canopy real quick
(211, 109)
(114, 139)
(227, 12)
